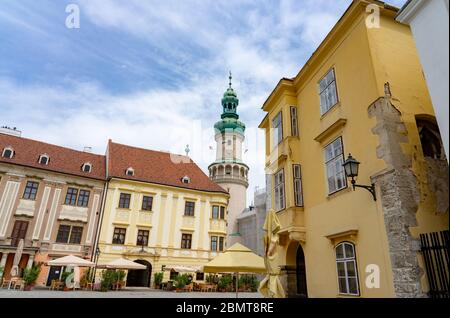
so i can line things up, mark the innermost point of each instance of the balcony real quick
(74, 213)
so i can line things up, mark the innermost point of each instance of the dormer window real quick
(8, 152)
(86, 167)
(130, 172)
(44, 159)
(186, 179)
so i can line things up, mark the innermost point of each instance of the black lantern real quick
(351, 167)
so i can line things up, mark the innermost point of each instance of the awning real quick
(70, 261)
(122, 263)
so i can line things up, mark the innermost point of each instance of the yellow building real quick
(362, 92)
(162, 211)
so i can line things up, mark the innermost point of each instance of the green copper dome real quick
(230, 103)
(230, 119)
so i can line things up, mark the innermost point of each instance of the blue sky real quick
(151, 73)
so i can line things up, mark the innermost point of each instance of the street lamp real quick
(351, 167)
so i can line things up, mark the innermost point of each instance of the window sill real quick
(332, 108)
(339, 192)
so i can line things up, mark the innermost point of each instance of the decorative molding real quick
(350, 233)
(6, 205)
(92, 219)
(66, 248)
(41, 213)
(73, 213)
(51, 218)
(409, 12)
(338, 124)
(26, 208)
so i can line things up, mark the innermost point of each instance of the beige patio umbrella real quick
(17, 257)
(122, 263)
(72, 261)
(271, 286)
(236, 259)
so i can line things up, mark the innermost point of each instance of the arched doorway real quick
(140, 277)
(302, 290)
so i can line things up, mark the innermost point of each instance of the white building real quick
(229, 171)
(429, 23)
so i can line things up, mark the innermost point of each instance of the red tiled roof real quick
(62, 160)
(157, 167)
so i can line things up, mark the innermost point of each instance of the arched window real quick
(8, 152)
(44, 159)
(86, 167)
(129, 172)
(430, 138)
(347, 269)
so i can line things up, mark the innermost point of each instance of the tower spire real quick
(230, 77)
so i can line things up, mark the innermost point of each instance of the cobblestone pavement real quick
(128, 293)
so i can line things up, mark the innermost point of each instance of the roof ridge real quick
(152, 150)
(53, 145)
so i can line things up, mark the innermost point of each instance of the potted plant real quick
(180, 282)
(30, 276)
(64, 277)
(225, 283)
(158, 280)
(120, 278)
(108, 278)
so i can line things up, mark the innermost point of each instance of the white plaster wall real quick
(237, 204)
(430, 26)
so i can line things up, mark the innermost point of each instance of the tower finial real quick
(230, 77)
(187, 150)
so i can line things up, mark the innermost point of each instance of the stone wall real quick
(400, 197)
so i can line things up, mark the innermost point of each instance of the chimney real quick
(87, 149)
(10, 131)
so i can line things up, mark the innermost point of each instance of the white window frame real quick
(42, 157)
(280, 190)
(130, 169)
(87, 164)
(277, 131)
(294, 121)
(186, 180)
(5, 150)
(346, 260)
(337, 160)
(298, 187)
(327, 86)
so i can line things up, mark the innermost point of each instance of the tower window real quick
(8, 153)
(44, 159)
(430, 139)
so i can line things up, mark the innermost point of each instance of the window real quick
(199, 276)
(142, 238)
(430, 139)
(87, 167)
(214, 243)
(124, 201)
(186, 240)
(76, 234)
(294, 121)
(19, 232)
(328, 92)
(277, 125)
(77, 197)
(215, 212)
(186, 179)
(222, 212)
(298, 190)
(31, 190)
(129, 172)
(8, 153)
(83, 198)
(346, 269)
(147, 203)
(334, 159)
(71, 196)
(189, 208)
(119, 236)
(44, 159)
(221, 243)
(280, 202)
(69, 234)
